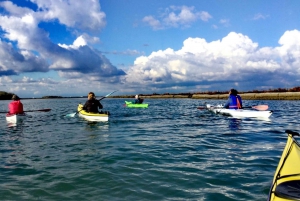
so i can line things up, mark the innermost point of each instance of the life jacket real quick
(235, 103)
(15, 107)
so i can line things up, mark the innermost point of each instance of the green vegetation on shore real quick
(5, 96)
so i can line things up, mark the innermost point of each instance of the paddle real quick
(257, 107)
(41, 110)
(73, 114)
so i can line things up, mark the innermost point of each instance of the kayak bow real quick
(286, 181)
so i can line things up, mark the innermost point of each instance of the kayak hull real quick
(15, 118)
(239, 113)
(131, 105)
(92, 116)
(286, 181)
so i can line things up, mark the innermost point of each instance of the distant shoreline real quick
(245, 96)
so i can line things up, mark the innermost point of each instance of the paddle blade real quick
(71, 115)
(260, 107)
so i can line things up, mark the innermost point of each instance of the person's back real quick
(15, 107)
(92, 104)
(138, 100)
(234, 100)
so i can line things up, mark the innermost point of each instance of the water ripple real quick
(169, 151)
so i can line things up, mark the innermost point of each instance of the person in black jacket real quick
(138, 100)
(92, 104)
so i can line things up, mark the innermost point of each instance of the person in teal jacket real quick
(234, 100)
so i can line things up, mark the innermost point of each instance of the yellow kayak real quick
(92, 116)
(286, 181)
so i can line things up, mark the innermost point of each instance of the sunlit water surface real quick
(169, 151)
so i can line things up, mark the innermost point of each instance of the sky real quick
(71, 47)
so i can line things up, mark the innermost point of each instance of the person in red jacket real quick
(15, 107)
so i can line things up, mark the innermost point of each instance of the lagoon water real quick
(169, 151)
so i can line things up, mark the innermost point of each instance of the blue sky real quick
(71, 47)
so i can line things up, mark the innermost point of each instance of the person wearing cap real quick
(92, 104)
(15, 107)
(138, 100)
(234, 100)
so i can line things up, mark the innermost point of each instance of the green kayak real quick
(130, 104)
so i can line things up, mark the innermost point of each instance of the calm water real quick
(170, 151)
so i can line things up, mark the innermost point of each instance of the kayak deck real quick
(141, 105)
(92, 116)
(286, 181)
(239, 113)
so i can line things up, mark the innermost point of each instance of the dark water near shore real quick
(170, 151)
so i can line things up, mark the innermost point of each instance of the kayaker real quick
(92, 104)
(15, 107)
(138, 100)
(234, 100)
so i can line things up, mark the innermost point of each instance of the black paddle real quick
(41, 110)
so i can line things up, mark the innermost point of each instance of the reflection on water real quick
(17, 127)
(93, 125)
(234, 123)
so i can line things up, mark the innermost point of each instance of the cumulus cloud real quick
(85, 15)
(176, 16)
(27, 48)
(235, 59)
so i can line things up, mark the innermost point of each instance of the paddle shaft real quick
(107, 95)
(41, 110)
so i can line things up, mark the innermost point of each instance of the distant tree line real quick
(5, 96)
(47, 97)
(294, 89)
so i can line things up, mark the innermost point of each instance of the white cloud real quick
(234, 59)
(225, 22)
(85, 15)
(33, 51)
(259, 16)
(176, 16)
(154, 23)
(15, 10)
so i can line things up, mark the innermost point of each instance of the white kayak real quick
(239, 113)
(15, 118)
